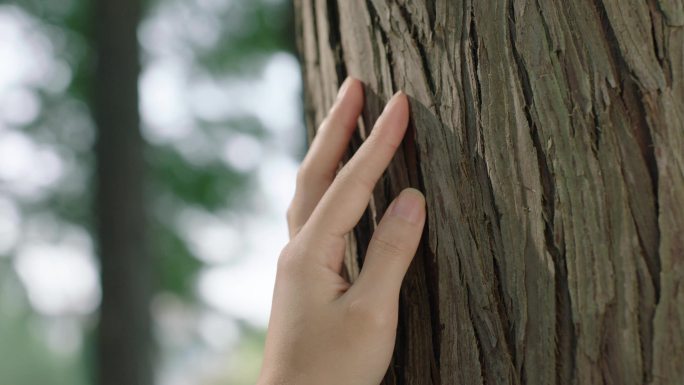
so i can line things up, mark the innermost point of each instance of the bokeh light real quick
(220, 105)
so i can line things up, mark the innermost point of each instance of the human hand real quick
(324, 330)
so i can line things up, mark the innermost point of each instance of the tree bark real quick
(124, 340)
(548, 137)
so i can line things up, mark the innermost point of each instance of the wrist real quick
(268, 377)
(272, 381)
(283, 377)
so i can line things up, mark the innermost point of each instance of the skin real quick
(324, 330)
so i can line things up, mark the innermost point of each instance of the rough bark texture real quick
(124, 339)
(548, 137)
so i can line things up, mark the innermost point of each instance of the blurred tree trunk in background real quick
(548, 137)
(124, 341)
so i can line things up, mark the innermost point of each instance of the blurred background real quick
(194, 194)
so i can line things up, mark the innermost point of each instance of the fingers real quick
(391, 249)
(345, 201)
(320, 164)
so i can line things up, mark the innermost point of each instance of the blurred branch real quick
(124, 338)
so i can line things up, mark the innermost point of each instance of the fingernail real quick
(343, 88)
(409, 206)
(394, 100)
(391, 102)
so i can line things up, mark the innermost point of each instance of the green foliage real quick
(26, 359)
(175, 266)
(210, 186)
(253, 30)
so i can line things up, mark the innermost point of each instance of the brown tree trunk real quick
(548, 137)
(124, 341)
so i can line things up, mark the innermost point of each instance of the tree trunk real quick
(124, 341)
(548, 137)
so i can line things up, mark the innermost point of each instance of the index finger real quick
(347, 198)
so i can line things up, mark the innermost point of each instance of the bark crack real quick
(375, 17)
(335, 40)
(472, 100)
(478, 339)
(416, 40)
(492, 217)
(429, 259)
(474, 49)
(566, 335)
(632, 95)
(660, 57)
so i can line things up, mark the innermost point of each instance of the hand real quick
(324, 330)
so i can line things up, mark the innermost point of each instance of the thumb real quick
(392, 248)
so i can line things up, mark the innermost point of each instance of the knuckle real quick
(293, 214)
(294, 219)
(303, 173)
(310, 174)
(392, 145)
(289, 260)
(381, 244)
(382, 143)
(347, 176)
(326, 121)
(290, 213)
(369, 314)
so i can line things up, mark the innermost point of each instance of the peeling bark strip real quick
(548, 137)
